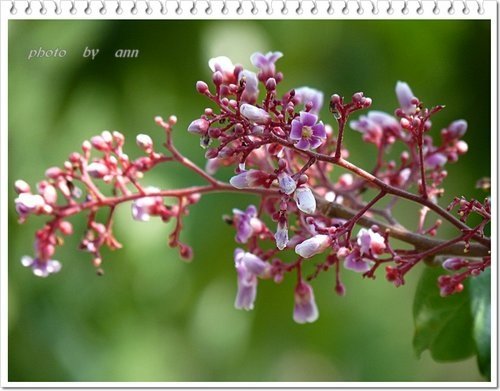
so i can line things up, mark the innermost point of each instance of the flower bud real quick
(97, 170)
(312, 246)
(454, 264)
(304, 198)
(21, 187)
(201, 87)
(286, 183)
(199, 126)
(254, 114)
(144, 142)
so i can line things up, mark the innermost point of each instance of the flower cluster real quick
(285, 155)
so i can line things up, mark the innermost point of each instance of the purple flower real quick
(254, 113)
(27, 203)
(286, 183)
(251, 91)
(41, 268)
(312, 246)
(144, 207)
(281, 235)
(456, 129)
(356, 263)
(405, 97)
(304, 198)
(248, 267)
(370, 242)
(306, 133)
(307, 95)
(246, 223)
(266, 62)
(305, 309)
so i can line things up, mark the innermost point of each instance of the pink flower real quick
(306, 133)
(97, 170)
(435, 160)
(225, 66)
(370, 242)
(305, 309)
(312, 246)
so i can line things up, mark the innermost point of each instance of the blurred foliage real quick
(153, 317)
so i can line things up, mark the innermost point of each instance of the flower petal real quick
(296, 132)
(308, 119)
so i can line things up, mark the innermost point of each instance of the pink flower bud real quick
(27, 203)
(456, 129)
(97, 170)
(201, 87)
(454, 264)
(250, 178)
(144, 142)
(99, 143)
(462, 147)
(21, 186)
(49, 194)
(53, 172)
(66, 228)
(199, 126)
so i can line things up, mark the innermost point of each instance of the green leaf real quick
(443, 325)
(480, 300)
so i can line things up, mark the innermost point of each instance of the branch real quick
(398, 232)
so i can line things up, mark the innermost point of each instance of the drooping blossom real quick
(312, 246)
(306, 132)
(370, 242)
(144, 207)
(304, 198)
(307, 95)
(281, 235)
(305, 309)
(247, 223)
(248, 267)
(355, 262)
(41, 268)
(405, 97)
(286, 183)
(254, 113)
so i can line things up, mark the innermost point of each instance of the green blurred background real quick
(153, 317)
